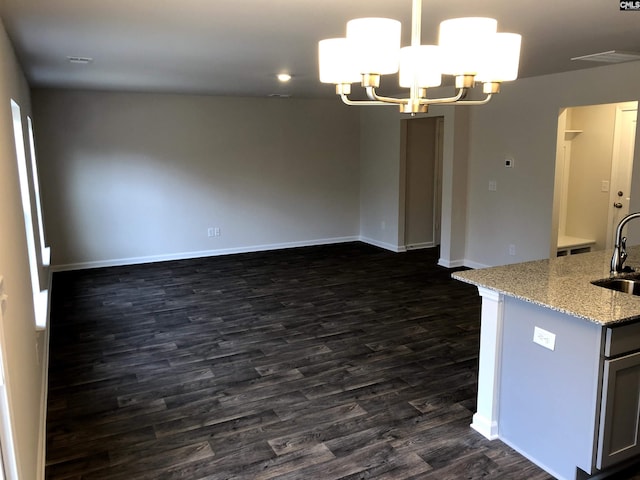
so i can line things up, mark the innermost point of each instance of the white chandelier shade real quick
(376, 43)
(336, 60)
(464, 43)
(502, 64)
(470, 49)
(421, 64)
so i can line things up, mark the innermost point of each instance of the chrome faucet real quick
(620, 249)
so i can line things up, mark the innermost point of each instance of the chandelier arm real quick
(381, 100)
(371, 93)
(476, 102)
(348, 101)
(455, 99)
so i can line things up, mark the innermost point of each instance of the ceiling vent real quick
(80, 60)
(612, 56)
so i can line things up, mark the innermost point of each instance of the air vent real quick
(612, 56)
(80, 60)
(279, 95)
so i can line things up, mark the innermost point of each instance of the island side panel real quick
(549, 398)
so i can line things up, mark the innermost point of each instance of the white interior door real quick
(621, 166)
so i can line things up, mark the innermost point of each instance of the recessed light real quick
(80, 60)
(284, 77)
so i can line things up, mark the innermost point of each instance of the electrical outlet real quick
(544, 338)
(216, 232)
(210, 232)
(493, 186)
(512, 249)
(604, 186)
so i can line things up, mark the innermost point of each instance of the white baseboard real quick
(485, 427)
(246, 249)
(204, 253)
(386, 246)
(474, 265)
(443, 262)
(418, 246)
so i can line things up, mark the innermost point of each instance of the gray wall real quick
(134, 177)
(521, 123)
(274, 173)
(380, 176)
(382, 190)
(23, 349)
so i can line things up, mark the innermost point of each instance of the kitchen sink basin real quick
(626, 285)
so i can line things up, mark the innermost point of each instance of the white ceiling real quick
(235, 47)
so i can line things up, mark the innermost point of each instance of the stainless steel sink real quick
(626, 285)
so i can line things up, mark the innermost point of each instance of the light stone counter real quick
(564, 284)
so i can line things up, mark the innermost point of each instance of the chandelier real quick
(470, 49)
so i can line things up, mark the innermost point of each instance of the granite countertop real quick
(564, 284)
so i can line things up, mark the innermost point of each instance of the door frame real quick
(564, 134)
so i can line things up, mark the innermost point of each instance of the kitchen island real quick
(559, 364)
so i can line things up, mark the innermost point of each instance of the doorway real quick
(594, 163)
(423, 141)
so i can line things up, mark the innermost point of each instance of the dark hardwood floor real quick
(332, 362)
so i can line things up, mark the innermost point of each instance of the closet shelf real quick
(571, 134)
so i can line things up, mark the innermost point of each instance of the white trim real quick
(443, 262)
(485, 420)
(42, 434)
(41, 309)
(474, 265)
(204, 253)
(386, 246)
(44, 394)
(418, 246)
(9, 461)
(485, 427)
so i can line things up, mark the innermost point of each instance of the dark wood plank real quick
(331, 362)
